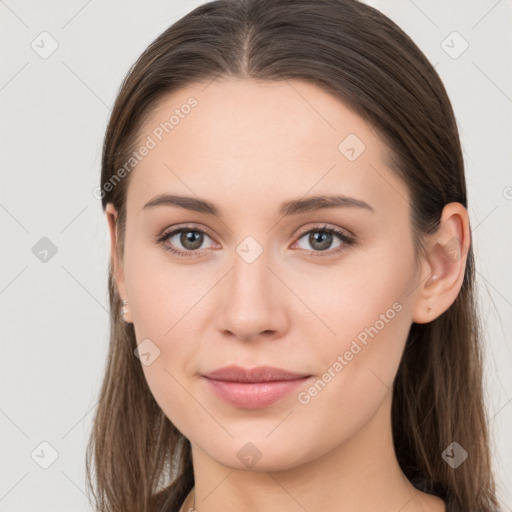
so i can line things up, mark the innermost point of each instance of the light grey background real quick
(53, 115)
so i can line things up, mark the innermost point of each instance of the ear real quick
(115, 259)
(444, 265)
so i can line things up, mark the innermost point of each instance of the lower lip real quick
(253, 395)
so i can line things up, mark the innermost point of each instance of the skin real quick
(247, 147)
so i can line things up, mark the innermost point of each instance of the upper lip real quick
(258, 374)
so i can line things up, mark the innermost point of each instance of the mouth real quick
(258, 374)
(255, 388)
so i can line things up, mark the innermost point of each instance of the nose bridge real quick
(250, 287)
(248, 305)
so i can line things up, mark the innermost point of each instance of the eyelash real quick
(347, 240)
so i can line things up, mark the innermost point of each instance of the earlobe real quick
(444, 265)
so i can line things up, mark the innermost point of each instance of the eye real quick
(190, 238)
(321, 239)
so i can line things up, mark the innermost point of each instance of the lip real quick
(253, 388)
(259, 374)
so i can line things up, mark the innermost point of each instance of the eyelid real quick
(169, 233)
(181, 227)
(347, 238)
(327, 227)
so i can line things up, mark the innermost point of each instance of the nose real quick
(252, 302)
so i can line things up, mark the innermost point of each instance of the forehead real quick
(257, 141)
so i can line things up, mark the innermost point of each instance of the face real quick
(324, 289)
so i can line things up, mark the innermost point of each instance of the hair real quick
(142, 462)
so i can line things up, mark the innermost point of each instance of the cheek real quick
(351, 298)
(164, 299)
(161, 291)
(365, 308)
(172, 392)
(359, 364)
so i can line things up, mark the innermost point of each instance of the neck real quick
(362, 473)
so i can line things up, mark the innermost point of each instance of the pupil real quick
(324, 240)
(191, 240)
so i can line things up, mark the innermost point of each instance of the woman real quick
(293, 325)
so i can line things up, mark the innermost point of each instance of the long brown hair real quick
(142, 462)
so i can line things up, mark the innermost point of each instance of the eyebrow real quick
(292, 207)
